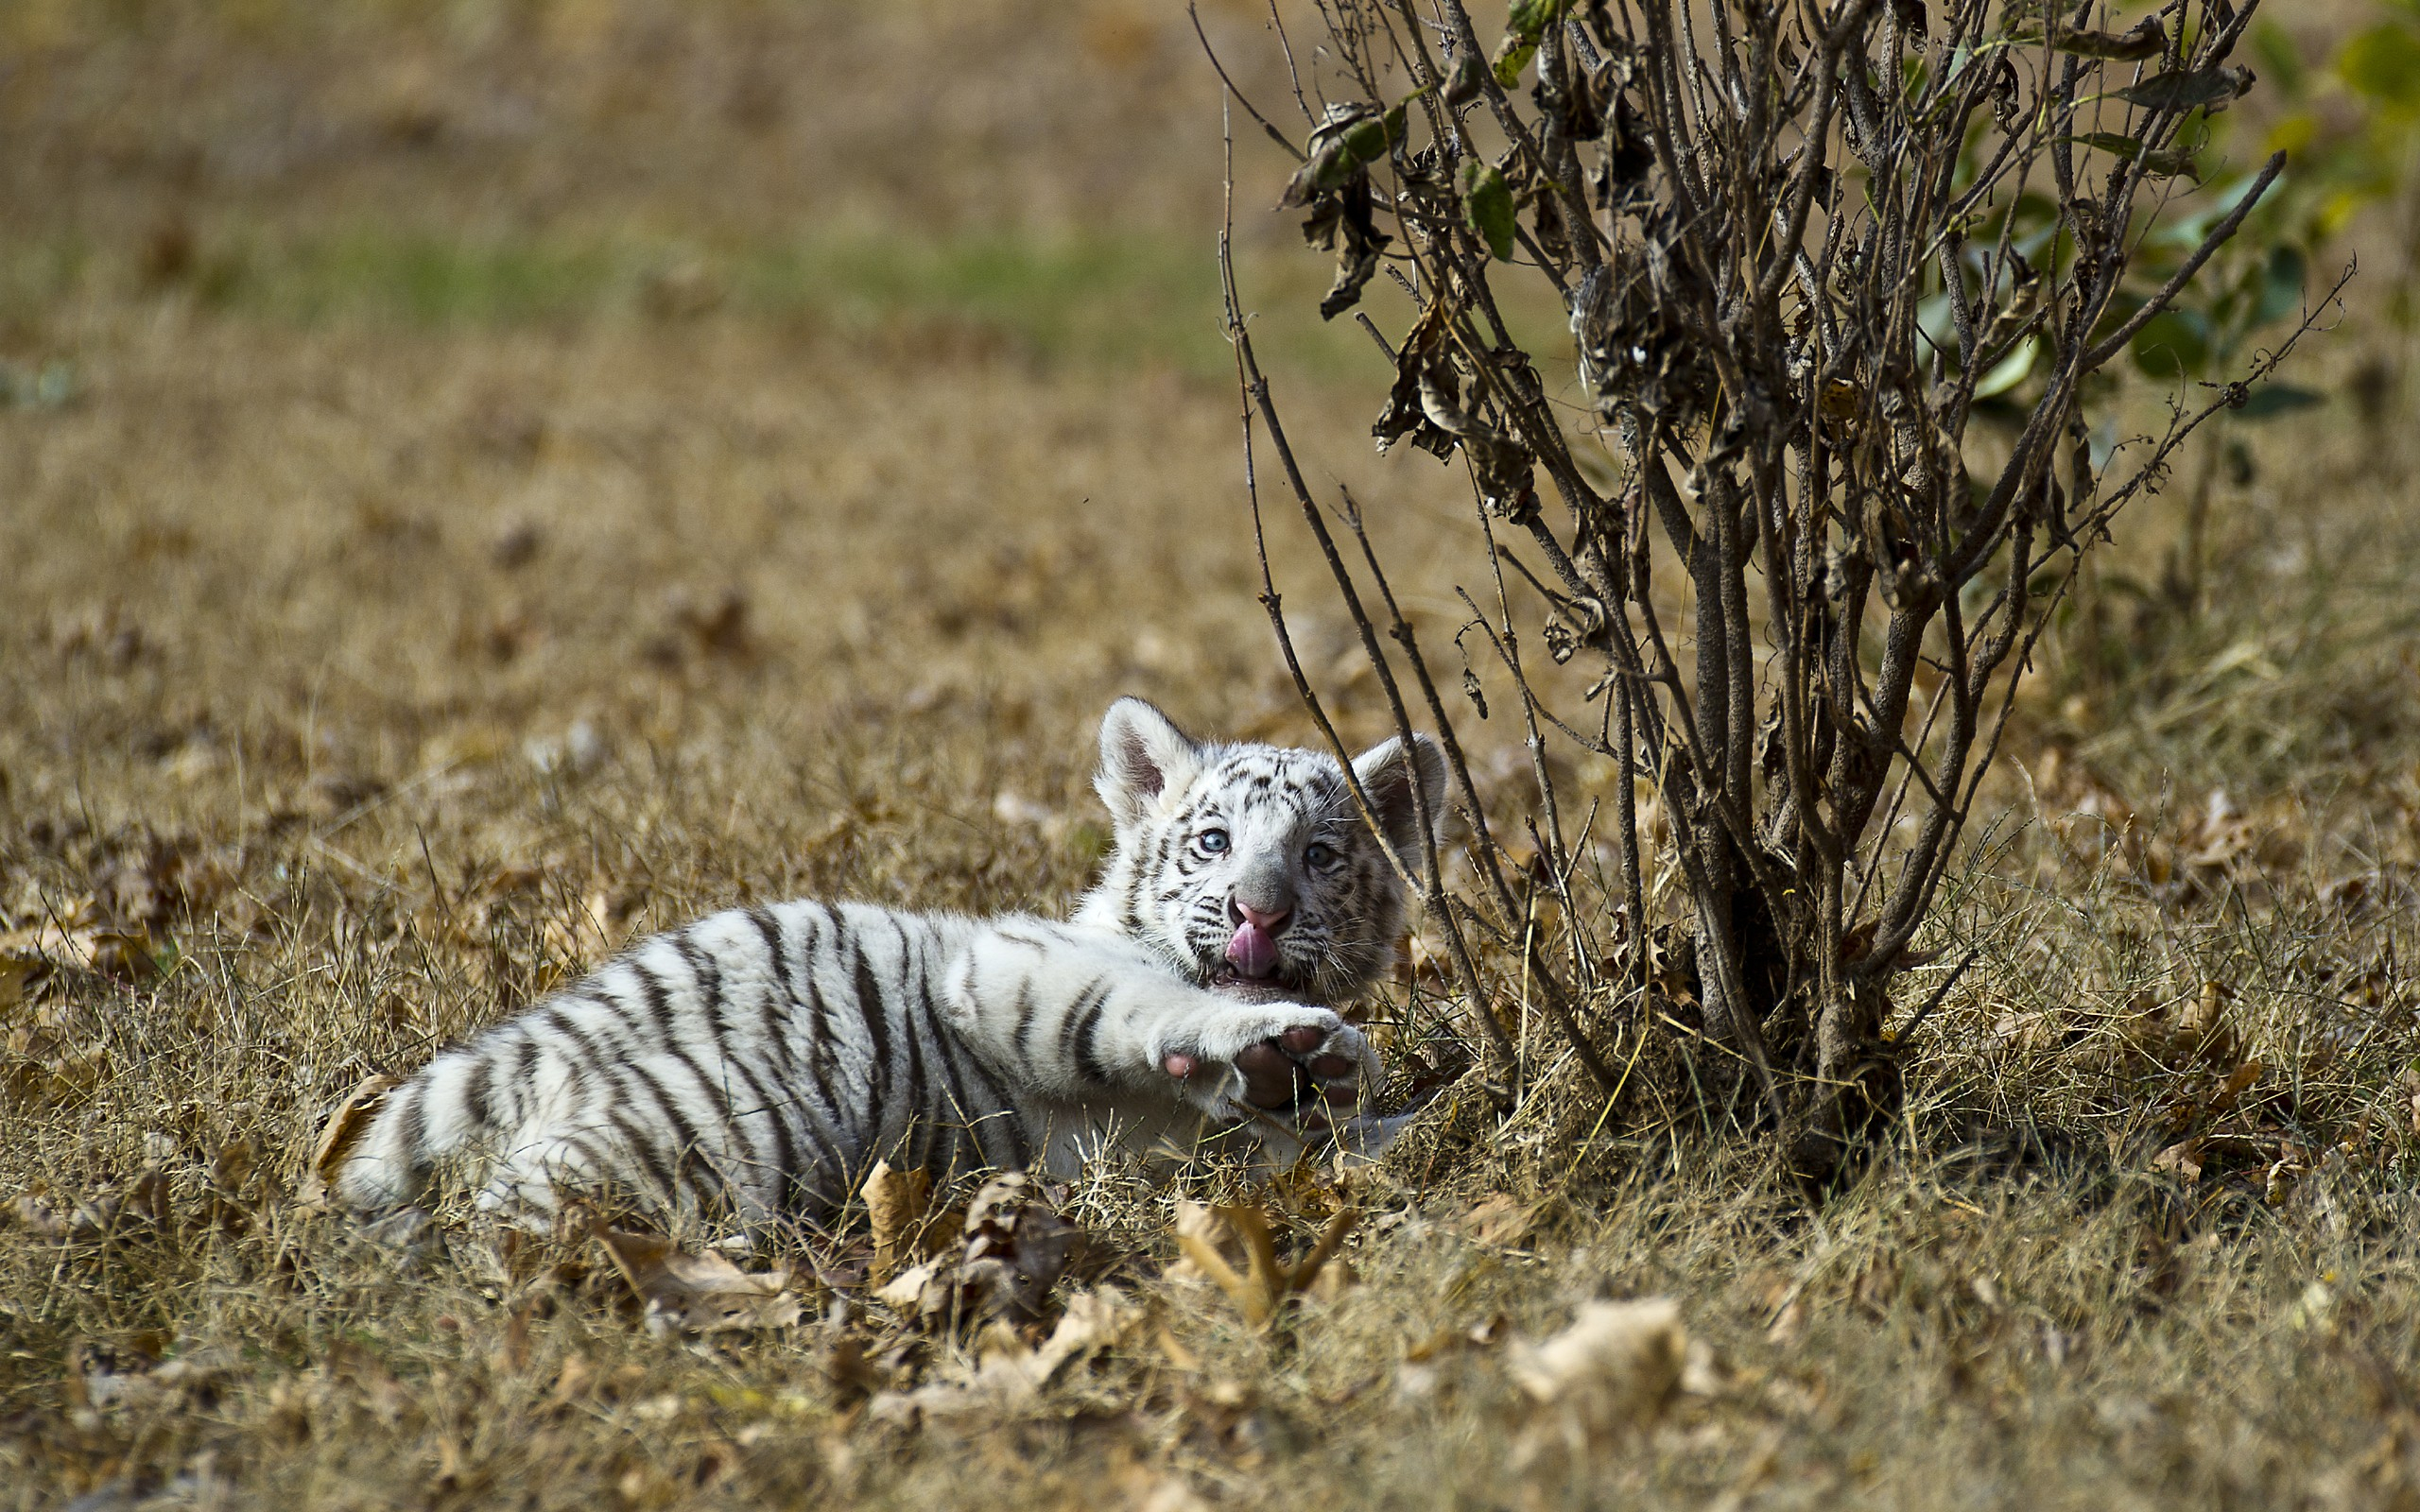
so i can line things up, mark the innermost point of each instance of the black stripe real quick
(524, 1073)
(475, 1092)
(707, 967)
(1087, 1042)
(993, 1099)
(708, 972)
(1022, 1039)
(633, 1070)
(918, 1031)
(764, 1101)
(411, 1130)
(871, 1012)
(827, 1029)
(774, 1021)
(952, 1086)
(825, 1123)
(586, 1053)
(644, 1152)
(1087, 1000)
(659, 1002)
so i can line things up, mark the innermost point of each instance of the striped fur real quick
(755, 1063)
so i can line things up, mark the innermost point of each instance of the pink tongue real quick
(1252, 951)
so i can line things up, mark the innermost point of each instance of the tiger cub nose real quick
(1268, 921)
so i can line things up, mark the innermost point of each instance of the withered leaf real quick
(1615, 1367)
(1502, 1220)
(698, 1293)
(1009, 1375)
(1017, 1246)
(1260, 1289)
(1334, 185)
(895, 1204)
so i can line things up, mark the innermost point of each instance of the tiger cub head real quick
(1248, 866)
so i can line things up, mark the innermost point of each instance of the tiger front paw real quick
(1297, 1060)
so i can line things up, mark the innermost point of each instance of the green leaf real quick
(1528, 18)
(1368, 141)
(2272, 400)
(2383, 65)
(2281, 284)
(2174, 343)
(1513, 56)
(1341, 149)
(2009, 370)
(1524, 24)
(1488, 201)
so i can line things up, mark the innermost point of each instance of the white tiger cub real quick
(758, 1062)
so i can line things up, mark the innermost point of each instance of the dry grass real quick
(303, 598)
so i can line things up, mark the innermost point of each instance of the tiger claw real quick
(1299, 1073)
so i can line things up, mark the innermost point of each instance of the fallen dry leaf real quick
(2239, 1081)
(2182, 1159)
(895, 1203)
(1260, 1289)
(17, 966)
(1009, 1375)
(1613, 1370)
(1502, 1221)
(1016, 1248)
(905, 1292)
(698, 1293)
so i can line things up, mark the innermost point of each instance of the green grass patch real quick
(1103, 301)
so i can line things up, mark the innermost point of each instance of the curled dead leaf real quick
(1009, 1375)
(698, 1293)
(2182, 1159)
(896, 1202)
(1260, 1289)
(1502, 1221)
(1016, 1248)
(906, 1292)
(1613, 1371)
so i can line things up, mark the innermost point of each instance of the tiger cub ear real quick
(1143, 755)
(1386, 776)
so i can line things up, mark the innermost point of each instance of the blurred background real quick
(412, 399)
(482, 477)
(393, 390)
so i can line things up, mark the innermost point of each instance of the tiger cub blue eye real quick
(1318, 855)
(1212, 841)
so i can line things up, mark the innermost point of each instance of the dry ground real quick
(483, 480)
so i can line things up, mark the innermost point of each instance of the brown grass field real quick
(481, 480)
